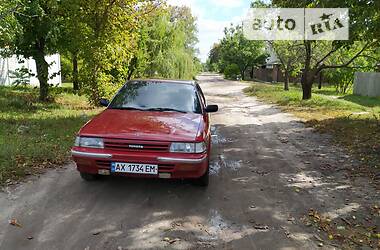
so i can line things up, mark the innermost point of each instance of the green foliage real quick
(66, 68)
(320, 56)
(169, 39)
(290, 55)
(36, 34)
(232, 71)
(214, 58)
(127, 41)
(235, 49)
(116, 40)
(8, 24)
(21, 76)
(343, 78)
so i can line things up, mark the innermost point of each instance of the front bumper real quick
(170, 165)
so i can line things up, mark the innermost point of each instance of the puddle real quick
(217, 164)
(219, 229)
(215, 167)
(230, 164)
(215, 226)
(217, 138)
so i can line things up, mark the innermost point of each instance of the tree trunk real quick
(307, 84)
(132, 68)
(75, 71)
(307, 76)
(306, 91)
(93, 84)
(320, 80)
(252, 72)
(286, 83)
(42, 74)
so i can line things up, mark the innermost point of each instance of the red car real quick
(151, 128)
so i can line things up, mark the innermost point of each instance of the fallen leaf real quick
(14, 222)
(171, 241)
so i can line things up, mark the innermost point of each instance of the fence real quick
(367, 84)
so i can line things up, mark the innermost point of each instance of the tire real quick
(88, 177)
(203, 181)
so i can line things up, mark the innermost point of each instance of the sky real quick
(212, 16)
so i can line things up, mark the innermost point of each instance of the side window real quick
(201, 94)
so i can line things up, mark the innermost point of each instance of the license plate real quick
(134, 168)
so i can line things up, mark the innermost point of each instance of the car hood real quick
(143, 125)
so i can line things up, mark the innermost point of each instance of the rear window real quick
(146, 95)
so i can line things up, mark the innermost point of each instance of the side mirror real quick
(212, 108)
(104, 102)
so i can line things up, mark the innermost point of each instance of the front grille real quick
(104, 164)
(127, 145)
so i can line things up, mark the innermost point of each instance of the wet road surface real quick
(264, 179)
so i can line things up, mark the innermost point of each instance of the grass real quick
(67, 85)
(353, 120)
(34, 135)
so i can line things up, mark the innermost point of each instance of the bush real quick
(21, 76)
(66, 68)
(232, 71)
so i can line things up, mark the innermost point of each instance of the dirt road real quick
(268, 170)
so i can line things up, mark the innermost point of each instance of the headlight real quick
(179, 147)
(89, 142)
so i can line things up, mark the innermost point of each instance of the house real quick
(272, 59)
(270, 70)
(11, 65)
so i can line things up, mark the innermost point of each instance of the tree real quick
(214, 58)
(365, 22)
(166, 45)
(343, 77)
(8, 24)
(236, 49)
(37, 25)
(290, 55)
(110, 29)
(72, 41)
(115, 40)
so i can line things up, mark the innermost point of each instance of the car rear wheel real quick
(88, 177)
(204, 179)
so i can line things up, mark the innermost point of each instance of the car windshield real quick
(157, 96)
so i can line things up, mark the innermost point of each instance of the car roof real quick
(187, 82)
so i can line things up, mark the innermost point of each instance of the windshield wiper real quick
(166, 109)
(128, 108)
